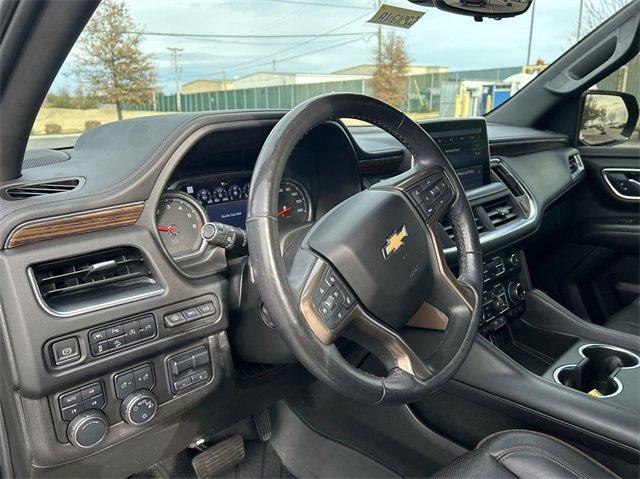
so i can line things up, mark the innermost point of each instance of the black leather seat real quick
(626, 320)
(524, 454)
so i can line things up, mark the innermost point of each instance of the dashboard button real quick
(70, 399)
(174, 319)
(91, 390)
(199, 376)
(99, 348)
(200, 356)
(143, 377)
(207, 309)
(180, 363)
(182, 383)
(66, 351)
(116, 343)
(132, 332)
(147, 327)
(191, 314)
(125, 384)
(113, 331)
(97, 336)
(96, 402)
(68, 413)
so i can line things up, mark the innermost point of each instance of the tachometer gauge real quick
(293, 203)
(179, 220)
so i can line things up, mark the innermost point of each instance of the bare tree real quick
(110, 62)
(597, 11)
(392, 65)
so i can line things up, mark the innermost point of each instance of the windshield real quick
(149, 57)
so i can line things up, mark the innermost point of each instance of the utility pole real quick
(580, 21)
(533, 15)
(177, 71)
(379, 57)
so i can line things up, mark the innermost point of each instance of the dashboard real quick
(156, 292)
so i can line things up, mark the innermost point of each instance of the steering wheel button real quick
(330, 277)
(415, 195)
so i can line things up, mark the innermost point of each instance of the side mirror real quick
(480, 8)
(608, 118)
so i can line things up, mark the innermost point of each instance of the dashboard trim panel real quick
(74, 224)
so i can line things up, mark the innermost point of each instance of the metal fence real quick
(423, 93)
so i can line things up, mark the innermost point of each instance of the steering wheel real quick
(372, 264)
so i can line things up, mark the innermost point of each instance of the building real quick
(267, 79)
(202, 85)
(369, 69)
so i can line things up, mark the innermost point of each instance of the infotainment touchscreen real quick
(464, 142)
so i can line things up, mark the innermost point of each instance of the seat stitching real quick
(532, 451)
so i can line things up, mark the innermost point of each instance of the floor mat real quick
(261, 461)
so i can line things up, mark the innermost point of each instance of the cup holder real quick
(596, 373)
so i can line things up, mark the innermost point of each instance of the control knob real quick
(513, 260)
(139, 407)
(88, 429)
(516, 292)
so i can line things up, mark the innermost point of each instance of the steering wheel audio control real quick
(430, 195)
(88, 429)
(139, 407)
(332, 299)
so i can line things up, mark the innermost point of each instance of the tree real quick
(597, 11)
(392, 65)
(110, 62)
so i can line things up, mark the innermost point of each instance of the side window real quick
(610, 111)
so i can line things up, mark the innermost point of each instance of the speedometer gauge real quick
(179, 220)
(293, 203)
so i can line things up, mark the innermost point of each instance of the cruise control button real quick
(132, 332)
(191, 314)
(174, 319)
(70, 399)
(66, 351)
(91, 390)
(207, 309)
(97, 336)
(99, 348)
(125, 385)
(320, 292)
(147, 327)
(143, 377)
(415, 195)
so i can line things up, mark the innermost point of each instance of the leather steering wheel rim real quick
(286, 292)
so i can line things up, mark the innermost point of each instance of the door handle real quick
(623, 182)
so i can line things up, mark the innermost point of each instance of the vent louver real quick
(448, 227)
(500, 212)
(575, 165)
(31, 190)
(94, 280)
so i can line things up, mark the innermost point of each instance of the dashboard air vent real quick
(30, 190)
(94, 281)
(448, 227)
(575, 165)
(504, 175)
(501, 212)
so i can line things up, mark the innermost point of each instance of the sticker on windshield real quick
(393, 16)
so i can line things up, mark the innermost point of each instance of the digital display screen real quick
(466, 148)
(233, 213)
(224, 200)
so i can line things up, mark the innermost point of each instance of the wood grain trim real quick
(74, 224)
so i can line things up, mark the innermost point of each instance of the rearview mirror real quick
(608, 118)
(480, 8)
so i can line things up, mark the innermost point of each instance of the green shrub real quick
(52, 128)
(91, 124)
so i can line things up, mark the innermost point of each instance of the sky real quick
(439, 38)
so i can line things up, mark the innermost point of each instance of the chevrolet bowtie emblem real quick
(395, 242)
